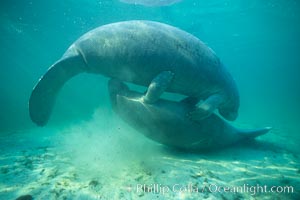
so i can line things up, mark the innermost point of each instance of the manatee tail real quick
(43, 96)
(248, 134)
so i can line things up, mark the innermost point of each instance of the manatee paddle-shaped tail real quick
(43, 96)
(250, 134)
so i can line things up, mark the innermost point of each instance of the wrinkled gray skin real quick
(166, 121)
(136, 52)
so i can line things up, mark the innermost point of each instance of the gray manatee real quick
(166, 121)
(138, 52)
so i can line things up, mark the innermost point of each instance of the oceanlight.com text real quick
(212, 188)
(252, 190)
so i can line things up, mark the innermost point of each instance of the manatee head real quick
(116, 87)
(228, 114)
(230, 110)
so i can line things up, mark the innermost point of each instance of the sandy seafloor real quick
(106, 159)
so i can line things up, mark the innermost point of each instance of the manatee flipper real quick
(206, 108)
(44, 93)
(157, 86)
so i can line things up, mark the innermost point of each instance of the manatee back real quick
(136, 51)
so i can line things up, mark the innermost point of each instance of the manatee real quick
(138, 52)
(166, 122)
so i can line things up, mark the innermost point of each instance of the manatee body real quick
(136, 52)
(166, 121)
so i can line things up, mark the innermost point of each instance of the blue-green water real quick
(84, 141)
